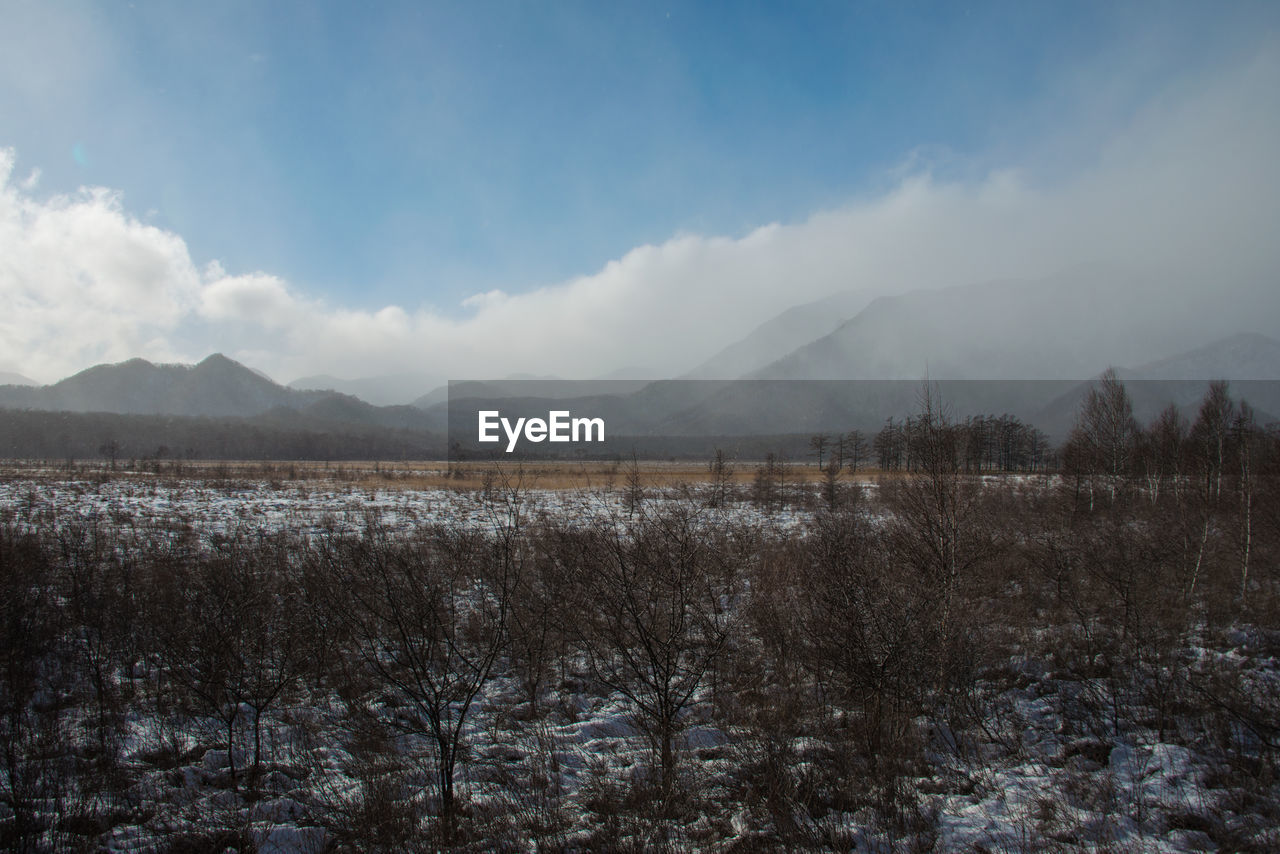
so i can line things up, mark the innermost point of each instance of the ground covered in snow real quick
(982, 665)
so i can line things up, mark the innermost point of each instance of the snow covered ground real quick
(301, 507)
(1037, 780)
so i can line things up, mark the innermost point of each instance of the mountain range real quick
(1070, 326)
(1027, 348)
(215, 387)
(778, 336)
(783, 406)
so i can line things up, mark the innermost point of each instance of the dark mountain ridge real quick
(216, 386)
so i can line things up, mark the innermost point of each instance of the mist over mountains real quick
(1069, 326)
(1024, 348)
(10, 378)
(388, 390)
(779, 336)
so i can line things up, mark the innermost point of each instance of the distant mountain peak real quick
(215, 386)
(1066, 326)
(13, 378)
(218, 359)
(218, 363)
(780, 335)
(1242, 356)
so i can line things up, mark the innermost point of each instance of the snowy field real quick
(302, 507)
(1048, 762)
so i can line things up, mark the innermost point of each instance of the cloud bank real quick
(1189, 186)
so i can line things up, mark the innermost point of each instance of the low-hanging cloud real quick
(1189, 186)
(259, 297)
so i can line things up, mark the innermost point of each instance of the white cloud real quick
(1190, 185)
(254, 298)
(488, 298)
(82, 281)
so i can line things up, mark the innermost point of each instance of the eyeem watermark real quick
(557, 427)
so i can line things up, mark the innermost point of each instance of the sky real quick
(476, 189)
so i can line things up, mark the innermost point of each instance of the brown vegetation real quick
(830, 688)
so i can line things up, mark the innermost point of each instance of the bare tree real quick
(721, 470)
(111, 450)
(838, 451)
(832, 492)
(96, 586)
(1245, 437)
(427, 620)
(1210, 442)
(1166, 441)
(276, 641)
(1106, 434)
(633, 496)
(29, 628)
(871, 636)
(536, 618)
(195, 615)
(937, 526)
(857, 449)
(890, 446)
(765, 489)
(660, 593)
(818, 444)
(1211, 435)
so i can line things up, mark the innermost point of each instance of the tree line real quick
(979, 443)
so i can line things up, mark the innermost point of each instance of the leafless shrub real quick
(657, 597)
(426, 620)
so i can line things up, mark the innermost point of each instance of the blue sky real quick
(422, 152)
(416, 154)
